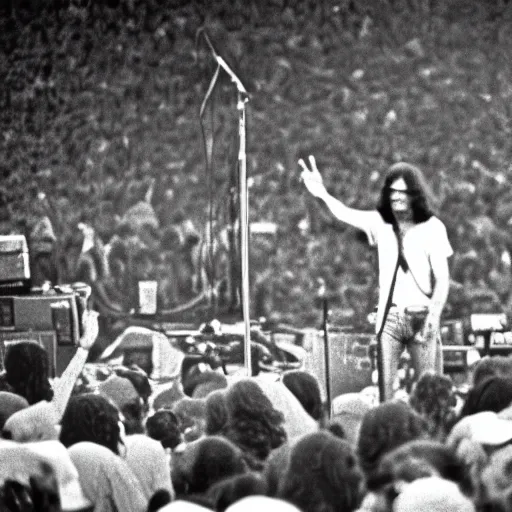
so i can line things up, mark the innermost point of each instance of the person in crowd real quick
(419, 459)
(297, 421)
(383, 429)
(27, 483)
(275, 467)
(123, 394)
(72, 497)
(106, 479)
(322, 475)
(488, 366)
(149, 463)
(198, 465)
(306, 389)
(191, 417)
(10, 403)
(433, 397)
(27, 373)
(163, 425)
(348, 410)
(228, 491)
(93, 418)
(139, 378)
(495, 493)
(37, 422)
(159, 500)
(491, 394)
(432, 494)
(200, 385)
(254, 425)
(413, 251)
(216, 411)
(42, 243)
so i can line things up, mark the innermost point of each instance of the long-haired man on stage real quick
(413, 251)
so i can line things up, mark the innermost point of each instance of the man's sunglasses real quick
(407, 192)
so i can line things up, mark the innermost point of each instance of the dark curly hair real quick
(418, 190)
(164, 426)
(384, 428)
(433, 397)
(27, 371)
(322, 475)
(253, 423)
(205, 462)
(91, 417)
(232, 489)
(306, 389)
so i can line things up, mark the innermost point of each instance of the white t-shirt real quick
(419, 243)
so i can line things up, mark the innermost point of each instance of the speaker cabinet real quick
(349, 360)
(36, 312)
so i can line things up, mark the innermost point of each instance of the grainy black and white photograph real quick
(255, 253)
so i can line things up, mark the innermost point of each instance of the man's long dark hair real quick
(417, 189)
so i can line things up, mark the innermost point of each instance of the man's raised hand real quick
(311, 177)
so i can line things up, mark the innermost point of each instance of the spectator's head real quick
(10, 403)
(306, 389)
(27, 371)
(158, 501)
(149, 462)
(417, 192)
(27, 481)
(420, 459)
(200, 384)
(191, 416)
(385, 428)
(138, 378)
(296, 421)
(216, 412)
(91, 417)
(124, 395)
(322, 474)
(495, 366)
(163, 425)
(492, 394)
(202, 463)
(348, 411)
(37, 422)
(106, 479)
(72, 497)
(230, 490)
(432, 494)
(496, 489)
(261, 503)
(275, 468)
(433, 398)
(253, 423)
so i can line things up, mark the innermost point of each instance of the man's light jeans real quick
(399, 333)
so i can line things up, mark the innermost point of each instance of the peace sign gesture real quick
(312, 178)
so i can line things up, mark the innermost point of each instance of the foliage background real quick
(95, 94)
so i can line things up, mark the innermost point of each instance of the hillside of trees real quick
(97, 97)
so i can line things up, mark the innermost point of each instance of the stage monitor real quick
(42, 312)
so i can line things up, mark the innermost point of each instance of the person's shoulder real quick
(433, 223)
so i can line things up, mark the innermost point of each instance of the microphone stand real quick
(322, 296)
(242, 99)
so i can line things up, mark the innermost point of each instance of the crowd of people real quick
(122, 442)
